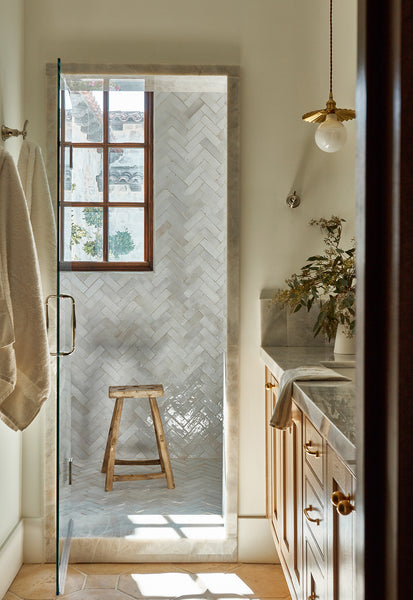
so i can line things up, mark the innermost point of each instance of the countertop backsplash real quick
(280, 327)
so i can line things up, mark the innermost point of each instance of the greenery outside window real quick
(106, 174)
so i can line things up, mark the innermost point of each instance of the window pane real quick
(126, 234)
(83, 227)
(84, 181)
(84, 111)
(126, 110)
(126, 175)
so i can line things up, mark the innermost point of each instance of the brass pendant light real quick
(331, 134)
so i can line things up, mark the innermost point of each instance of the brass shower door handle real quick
(72, 321)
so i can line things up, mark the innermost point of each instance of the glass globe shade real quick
(331, 135)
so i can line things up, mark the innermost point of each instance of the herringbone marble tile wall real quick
(166, 326)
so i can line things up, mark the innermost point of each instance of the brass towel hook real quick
(7, 132)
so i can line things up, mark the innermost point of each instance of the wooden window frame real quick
(147, 205)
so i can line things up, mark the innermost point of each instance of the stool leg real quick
(106, 457)
(162, 447)
(112, 442)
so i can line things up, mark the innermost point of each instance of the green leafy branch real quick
(327, 279)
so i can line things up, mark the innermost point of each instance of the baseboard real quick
(11, 558)
(33, 540)
(255, 543)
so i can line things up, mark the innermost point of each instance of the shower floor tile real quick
(145, 504)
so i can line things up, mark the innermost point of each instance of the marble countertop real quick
(330, 405)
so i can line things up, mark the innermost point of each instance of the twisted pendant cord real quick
(331, 47)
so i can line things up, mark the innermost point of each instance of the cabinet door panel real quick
(340, 553)
(315, 584)
(314, 513)
(273, 455)
(314, 448)
(291, 498)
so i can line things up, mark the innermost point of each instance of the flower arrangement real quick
(328, 279)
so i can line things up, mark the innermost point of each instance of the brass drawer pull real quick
(312, 596)
(306, 511)
(308, 447)
(269, 386)
(342, 503)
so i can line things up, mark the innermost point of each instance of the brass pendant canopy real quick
(343, 114)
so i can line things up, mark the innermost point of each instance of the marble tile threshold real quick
(157, 581)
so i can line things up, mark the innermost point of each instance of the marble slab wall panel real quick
(167, 326)
(280, 327)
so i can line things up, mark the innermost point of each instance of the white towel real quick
(42, 217)
(24, 355)
(281, 417)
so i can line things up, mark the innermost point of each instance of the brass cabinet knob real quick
(342, 503)
(337, 497)
(344, 507)
(312, 596)
(269, 386)
(309, 449)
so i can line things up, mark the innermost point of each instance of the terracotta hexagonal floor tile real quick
(38, 582)
(100, 582)
(215, 567)
(96, 595)
(266, 581)
(160, 585)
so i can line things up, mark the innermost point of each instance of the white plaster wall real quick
(11, 113)
(282, 48)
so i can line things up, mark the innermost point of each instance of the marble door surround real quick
(169, 78)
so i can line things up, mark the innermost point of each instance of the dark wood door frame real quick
(385, 299)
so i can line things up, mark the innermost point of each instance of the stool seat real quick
(151, 392)
(136, 391)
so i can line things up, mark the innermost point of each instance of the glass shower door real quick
(62, 310)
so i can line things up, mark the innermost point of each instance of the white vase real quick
(344, 344)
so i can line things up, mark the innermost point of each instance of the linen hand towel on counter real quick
(24, 360)
(281, 417)
(42, 217)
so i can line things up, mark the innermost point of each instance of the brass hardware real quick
(344, 507)
(293, 200)
(312, 596)
(269, 386)
(342, 114)
(319, 116)
(73, 322)
(7, 132)
(306, 511)
(307, 448)
(342, 503)
(337, 497)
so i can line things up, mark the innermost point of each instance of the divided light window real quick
(106, 174)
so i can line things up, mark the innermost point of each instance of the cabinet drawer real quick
(314, 514)
(315, 581)
(314, 451)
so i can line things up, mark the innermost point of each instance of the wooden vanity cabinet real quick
(284, 485)
(314, 542)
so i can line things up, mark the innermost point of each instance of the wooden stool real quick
(136, 391)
